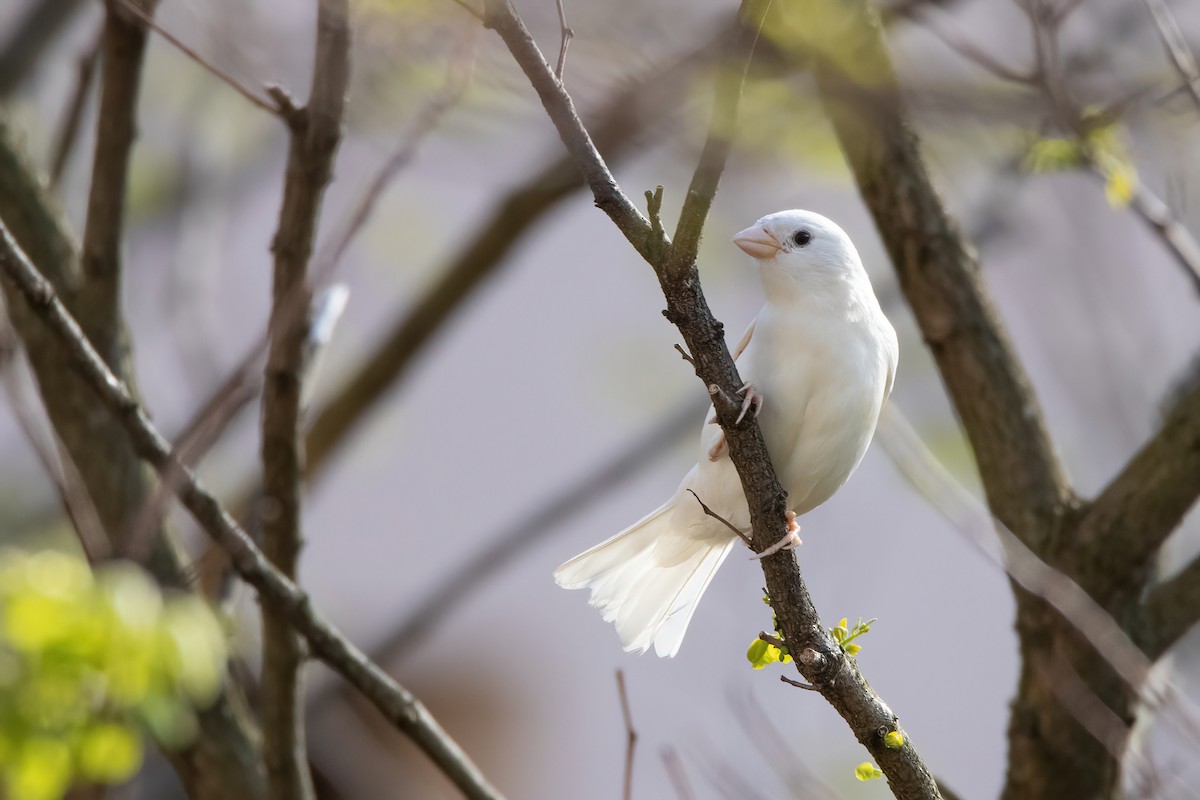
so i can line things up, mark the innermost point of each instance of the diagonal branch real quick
(1169, 611)
(224, 761)
(1176, 45)
(398, 706)
(500, 16)
(1123, 528)
(618, 124)
(316, 131)
(939, 275)
(819, 660)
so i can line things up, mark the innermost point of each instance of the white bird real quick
(818, 361)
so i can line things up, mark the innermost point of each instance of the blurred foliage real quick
(91, 662)
(1101, 146)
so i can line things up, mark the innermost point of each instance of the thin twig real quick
(68, 129)
(1171, 232)
(798, 684)
(213, 69)
(458, 78)
(631, 736)
(976, 55)
(397, 705)
(57, 465)
(841, 682)
(922, 468)
(567, 36)
(722, 520)
(1177, 46)
(678, 775)
(312, 146)
(459, 585)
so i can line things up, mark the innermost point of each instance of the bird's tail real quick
(648, 579)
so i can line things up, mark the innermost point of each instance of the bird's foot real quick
(750, 399)
(718, 449)
(790, 541)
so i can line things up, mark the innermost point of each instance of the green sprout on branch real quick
(867, 771)
(760, 653)
(845, 635)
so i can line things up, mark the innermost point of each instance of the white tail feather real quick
(648, 579)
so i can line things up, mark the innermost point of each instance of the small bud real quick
(867, 771)
(894, 740)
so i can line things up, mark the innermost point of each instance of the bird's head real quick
(798, 250)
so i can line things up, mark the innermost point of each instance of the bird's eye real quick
(801, 238)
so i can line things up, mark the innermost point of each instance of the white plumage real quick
(821, 356)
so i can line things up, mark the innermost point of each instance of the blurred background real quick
(550, 411)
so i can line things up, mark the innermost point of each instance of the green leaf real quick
(1054, 155)
(757, 654)
(867, 771)
(109, 753)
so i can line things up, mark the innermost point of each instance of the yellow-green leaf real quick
(867, 771)
(109, 753)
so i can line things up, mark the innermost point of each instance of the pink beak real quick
(758, 242)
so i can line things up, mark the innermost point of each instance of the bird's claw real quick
(790, 541)
(750, 399)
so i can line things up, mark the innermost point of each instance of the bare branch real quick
(458, 77)
(1170, 610)
(55, 461)
(567, 36)
(1123, 528)
(1174, 236)
(1177, 47)
(704, 507)
(511, 219)
(841, 683)
(677, 774)
(316, 132)
(459, 585)
(631, 736)
(976, 55)
(266, 105)
(29, 37)
(68, 130)
(397, 705)
(940, 277)
(947, 495)
(500, 16)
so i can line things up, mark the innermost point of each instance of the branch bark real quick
(398, 706)
(618, 125)
(224, 761)
(818, 658)
(1026, 486)
(315, 133)
(1169, 611)
(1122, 529)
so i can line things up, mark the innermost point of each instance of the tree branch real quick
(224, 762)
(397, 705)
(939, 275)
(500, 16)
(1169, 611)
(30, 35)
(315, 133)
(618, 124)
(819, 659)
(1123, 528)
